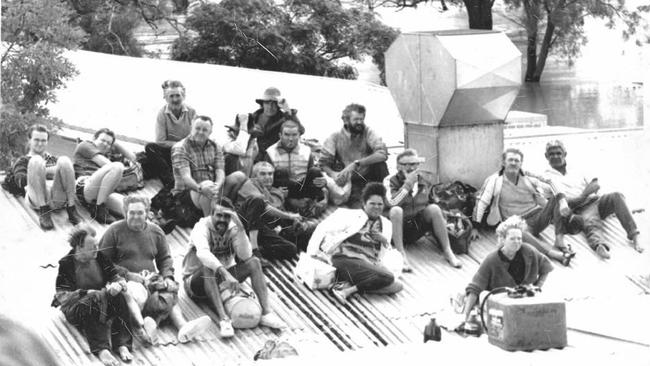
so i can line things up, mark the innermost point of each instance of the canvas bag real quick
(132, 177)
(242, 308)
(315, 273)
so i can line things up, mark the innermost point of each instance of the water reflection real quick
(584, 104)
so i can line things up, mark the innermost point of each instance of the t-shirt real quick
(89, 275)
(516, 199)
(138, 250)
(83, 159)
(361, 245)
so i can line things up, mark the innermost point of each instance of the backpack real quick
(454, 196)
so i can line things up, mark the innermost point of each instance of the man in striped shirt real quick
(413, 213)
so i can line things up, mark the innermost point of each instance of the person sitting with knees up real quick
(514, 263)
(30, 172)
(413, 212)
(138, 245)
(89, 292)
(354, 241)
(98, 177)
(220, 257)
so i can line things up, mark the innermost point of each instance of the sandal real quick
(337, 291)
(566, 258)
(567, 250)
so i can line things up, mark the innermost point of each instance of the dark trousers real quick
(159, 163)
(372, 173)
(272, 245)
(363, 274)
(539, 219)
(299, 189)
(96, 315)
(595, 212)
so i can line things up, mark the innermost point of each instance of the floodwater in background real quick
(584, 104)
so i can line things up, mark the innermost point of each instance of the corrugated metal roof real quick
(316, 318)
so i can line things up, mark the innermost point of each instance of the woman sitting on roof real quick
(514, 263)
(354, 241)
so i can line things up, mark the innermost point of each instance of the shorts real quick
(195, 287)
(414, 228)
(184, 198)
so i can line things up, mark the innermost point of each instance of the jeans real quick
(88, 316)
(538, 219)
(299, 189)
(361, 273)
(595, 212)
(254, 217)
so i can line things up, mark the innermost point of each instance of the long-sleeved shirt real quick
(494, 270)
(209, 249)
(19, 169)
(138, 250)
(170, 129)
(412, 198)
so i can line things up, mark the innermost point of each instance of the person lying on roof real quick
(584, 200)
(209, 267)
(29, 173)
(354, 241)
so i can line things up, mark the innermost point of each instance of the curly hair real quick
(372, 189)
(78, 235)
(135, 199)
(347, 111)
(512, 222)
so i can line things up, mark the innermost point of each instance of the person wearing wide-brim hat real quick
(267, 120)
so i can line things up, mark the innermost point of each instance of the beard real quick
(356, 129)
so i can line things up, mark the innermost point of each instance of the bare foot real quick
(451, 258)
(125, 354)
(107, 358)
(194, 328)
(565, 211)
(406, 266)
(638, 246)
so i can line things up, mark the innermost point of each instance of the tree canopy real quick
(302, 36)
(35, 33)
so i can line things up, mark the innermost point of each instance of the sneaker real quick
(602, 251)
(141, 334)
(272, 321)
(100, 214)
(194, 328)
(45, 218)
(73, 215)
(226, 329)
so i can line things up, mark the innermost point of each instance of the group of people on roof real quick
(259, 197)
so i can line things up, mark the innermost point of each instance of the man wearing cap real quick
(582, 195)
(173, 124)
(264, 124)
(355, 152)
(510, 192)
(210, 267)
(198, 167)
(413, 213)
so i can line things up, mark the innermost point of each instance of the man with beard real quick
(210, 265)
(198, 165)
(355, 152)
(138, 246)
(29, 174)
(173, 124)
(261, 207)
(584, 200)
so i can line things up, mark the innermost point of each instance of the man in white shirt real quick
(583, 198)
(210, 265)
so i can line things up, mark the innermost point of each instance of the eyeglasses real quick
(409, 164)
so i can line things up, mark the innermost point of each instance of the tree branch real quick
(110, 30)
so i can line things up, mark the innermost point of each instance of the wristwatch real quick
(199, 190)
(357, 163)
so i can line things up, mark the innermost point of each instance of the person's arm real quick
(379, 150)
(239, 146)
(545, 267)
(19, 170)
(199, 237)
(471, 299)
(181, 163)
(107, 244)
(327, 157)
(243, 246)
(220, 169)
(124, 151)
(164, 261)
(281, 214)
(397, 192)
(65, 284)
(161, 129)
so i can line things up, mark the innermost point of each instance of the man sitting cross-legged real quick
(30, 172)
(261, 208)
(413, 213)
(210, 265)
(138, 245)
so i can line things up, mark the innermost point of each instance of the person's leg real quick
(376, 172)
(103, 182)
(86, 316)
(203, 286)
(396, 216)
(433, 216)
(614, 203)
(231, 185)
(202, 202)
(308, 187)
(36, 191)
(63, 188)
(274, 246)
(264, 240)
(188, 330)
(593, 228)
(121, 337)
(159, 160)
(362, 274)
